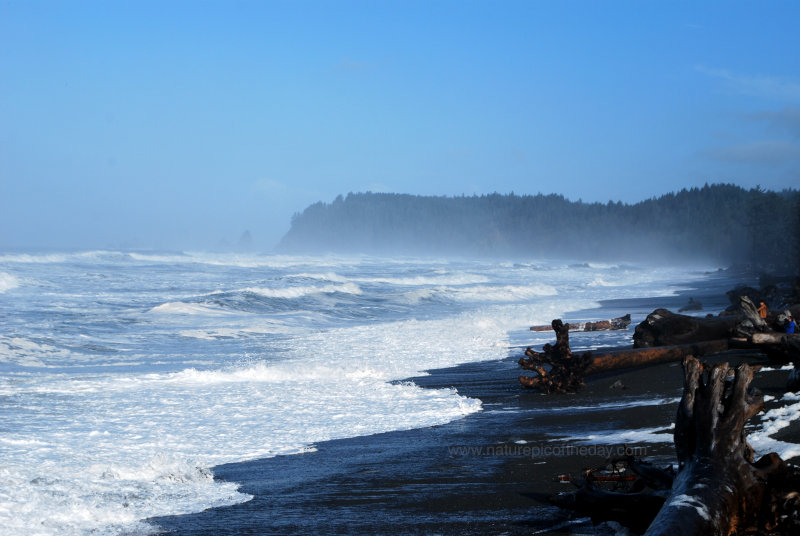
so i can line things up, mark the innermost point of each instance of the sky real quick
(182, 124)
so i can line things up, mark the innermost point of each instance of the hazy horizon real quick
(181, 126)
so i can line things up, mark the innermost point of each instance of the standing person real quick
(790, 325)
(762, 310)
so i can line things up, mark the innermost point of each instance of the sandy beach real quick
(488, 473)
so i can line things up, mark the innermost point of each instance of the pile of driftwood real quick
(718, 488)
(559, 370)
(663, 336)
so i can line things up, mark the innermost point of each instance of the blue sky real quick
(182, 124)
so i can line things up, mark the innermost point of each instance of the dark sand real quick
(488, 473)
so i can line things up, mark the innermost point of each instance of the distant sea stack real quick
(720, 223)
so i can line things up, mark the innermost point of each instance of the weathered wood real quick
(636, 357)
(566, 370)
(665, 328)
(717, 488)
(773, 337)
(559, 370)
(752, 321)
(633, 510)
(618, 323)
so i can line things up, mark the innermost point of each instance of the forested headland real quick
(720, 222)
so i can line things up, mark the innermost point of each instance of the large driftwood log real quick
(779, 348)
(665, 328)
(718, 488)
(636, 357)
(773, 338)
(559, 370)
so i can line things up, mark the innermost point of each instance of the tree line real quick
(719, 222)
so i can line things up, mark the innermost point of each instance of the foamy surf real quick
(126, 377)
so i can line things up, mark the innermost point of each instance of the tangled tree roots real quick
(566, 370)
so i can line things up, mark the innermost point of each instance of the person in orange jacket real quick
(762, 310)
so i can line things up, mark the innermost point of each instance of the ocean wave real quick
(480, 293)
(299, 292)
(509, 293)
(427, 280)
(128, 448)
(601, 282)
(98, 441)
(186, 308)
(27, 353)
(63, 257)
(324, 276)
(25, 258)
(8, 282)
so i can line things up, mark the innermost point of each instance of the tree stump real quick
(566, 370)
(718, 488)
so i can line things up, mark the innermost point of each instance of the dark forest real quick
(719, 223)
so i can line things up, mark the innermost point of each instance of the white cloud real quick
(770, 87)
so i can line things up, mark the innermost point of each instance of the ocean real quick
(126, 377)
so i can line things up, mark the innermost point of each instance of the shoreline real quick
(489, 472)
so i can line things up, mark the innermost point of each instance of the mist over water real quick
(125, 377)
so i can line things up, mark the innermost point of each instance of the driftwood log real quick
(559, 370)
(665, 328)
(636, 357)
(779, 348)
(718, 487)
(618, 323)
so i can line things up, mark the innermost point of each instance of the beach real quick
(487, 473)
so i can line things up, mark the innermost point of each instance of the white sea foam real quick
(505, 293)
(7, 282)
(601, 282)
(774, 421)
(158, 433)
(612, 437)
(602, 406)
(28, 353)
(182, 308)
(299, 292)
(116, 408)
(442, 279)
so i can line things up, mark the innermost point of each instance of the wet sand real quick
(488, 473)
